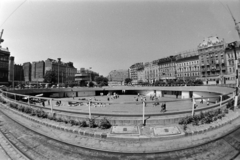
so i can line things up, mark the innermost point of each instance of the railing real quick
(15, 98)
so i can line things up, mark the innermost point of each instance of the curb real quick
(105, 135)
(59, 127)
(212, 127)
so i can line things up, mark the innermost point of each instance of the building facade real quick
(212, 59)
(230, 63)
(11, 69)
(56, 66)
(147, 72)
(33, 72)
(118, 76)
(84, 76)
(18, 73)
(27, 67)
(167, 68)
(70, 73)
(133, 72)
(141, 75)
(38, 71)
(4, 64)
(65, 71)
(187, 65)
(155, 74)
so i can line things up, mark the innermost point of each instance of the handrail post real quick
(89, 108)
(193, 105)
(51, 105)
(220, 100)
(29, 101)
(144, 112)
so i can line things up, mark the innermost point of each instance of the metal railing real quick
(16, 98)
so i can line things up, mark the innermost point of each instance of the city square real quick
(114, 80)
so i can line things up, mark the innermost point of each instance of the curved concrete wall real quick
(123, 118)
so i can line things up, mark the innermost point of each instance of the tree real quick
(101, 81)
(140, 82)
(50, 77)
(171, 82)
(198, 82)
(189, 82)
(145, 83)
(90, 84)
(128, 80)
(159, 82)
(180, 82)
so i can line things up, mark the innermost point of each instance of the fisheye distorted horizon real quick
(108, 35)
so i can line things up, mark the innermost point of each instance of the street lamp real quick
(59, 59)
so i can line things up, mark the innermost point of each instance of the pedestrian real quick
(201, 100)
(58, 103)
(208, 101)
(195, 106)
(162, 107)
(43, 103)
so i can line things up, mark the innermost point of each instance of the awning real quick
(168, 78)
(39, 95)
(3, 83)
(208, 78)
(230, 75)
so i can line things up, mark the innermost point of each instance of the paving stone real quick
(103, 135)
(82, 132)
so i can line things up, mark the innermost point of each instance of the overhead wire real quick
(12, 13)
(223, 6)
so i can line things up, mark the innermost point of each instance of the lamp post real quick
(59, 59)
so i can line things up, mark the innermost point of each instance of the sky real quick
(109, 35)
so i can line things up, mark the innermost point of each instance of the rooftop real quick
(4, 50)
(210, 41)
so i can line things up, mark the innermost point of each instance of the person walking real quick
(201, 100)
(208, 101)
(43, 103)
